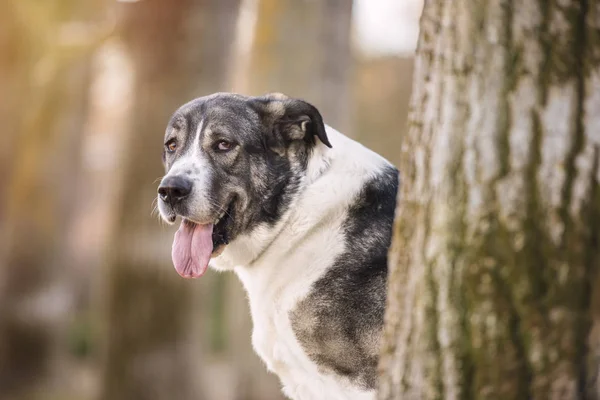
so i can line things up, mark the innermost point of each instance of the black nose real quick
(174, 189)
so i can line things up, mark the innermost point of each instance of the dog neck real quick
(247, 249)
(333, 178)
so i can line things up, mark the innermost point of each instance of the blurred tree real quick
(493, 285)
(179, 50)
(382, 92)
(38, 65)
(302, 48)
(12, 62)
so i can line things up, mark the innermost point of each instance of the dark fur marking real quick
(340, 321)
(262, 179)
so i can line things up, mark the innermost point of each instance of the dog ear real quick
(293, 119)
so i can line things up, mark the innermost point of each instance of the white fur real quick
(278, 265)
(194, 160)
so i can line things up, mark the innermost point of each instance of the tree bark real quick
(493, 286)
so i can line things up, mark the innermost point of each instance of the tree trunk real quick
(493, 288)
(178, 51)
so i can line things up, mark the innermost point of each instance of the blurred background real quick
(90, 305)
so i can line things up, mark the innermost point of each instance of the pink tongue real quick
(192, 248)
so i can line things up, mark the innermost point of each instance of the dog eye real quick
(223, 146)
(171, 146)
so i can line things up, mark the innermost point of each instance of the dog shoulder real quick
(339, 323)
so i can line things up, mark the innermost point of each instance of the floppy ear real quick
(294, 119)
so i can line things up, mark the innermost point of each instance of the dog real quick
(303, 215)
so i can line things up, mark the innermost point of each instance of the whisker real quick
(220, 208)
(156, 213)
(154, 206)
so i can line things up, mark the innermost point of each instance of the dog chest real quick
(274, 341)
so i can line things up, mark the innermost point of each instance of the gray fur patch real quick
(339, 323)
(255, 179)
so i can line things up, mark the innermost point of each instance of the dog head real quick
(232, 162)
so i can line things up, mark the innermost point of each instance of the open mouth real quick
(220, 233)
(195, 244)
(220, 229)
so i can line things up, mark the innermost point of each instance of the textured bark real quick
(178, 51)
(493, 274)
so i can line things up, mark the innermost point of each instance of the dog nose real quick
(174, 189)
